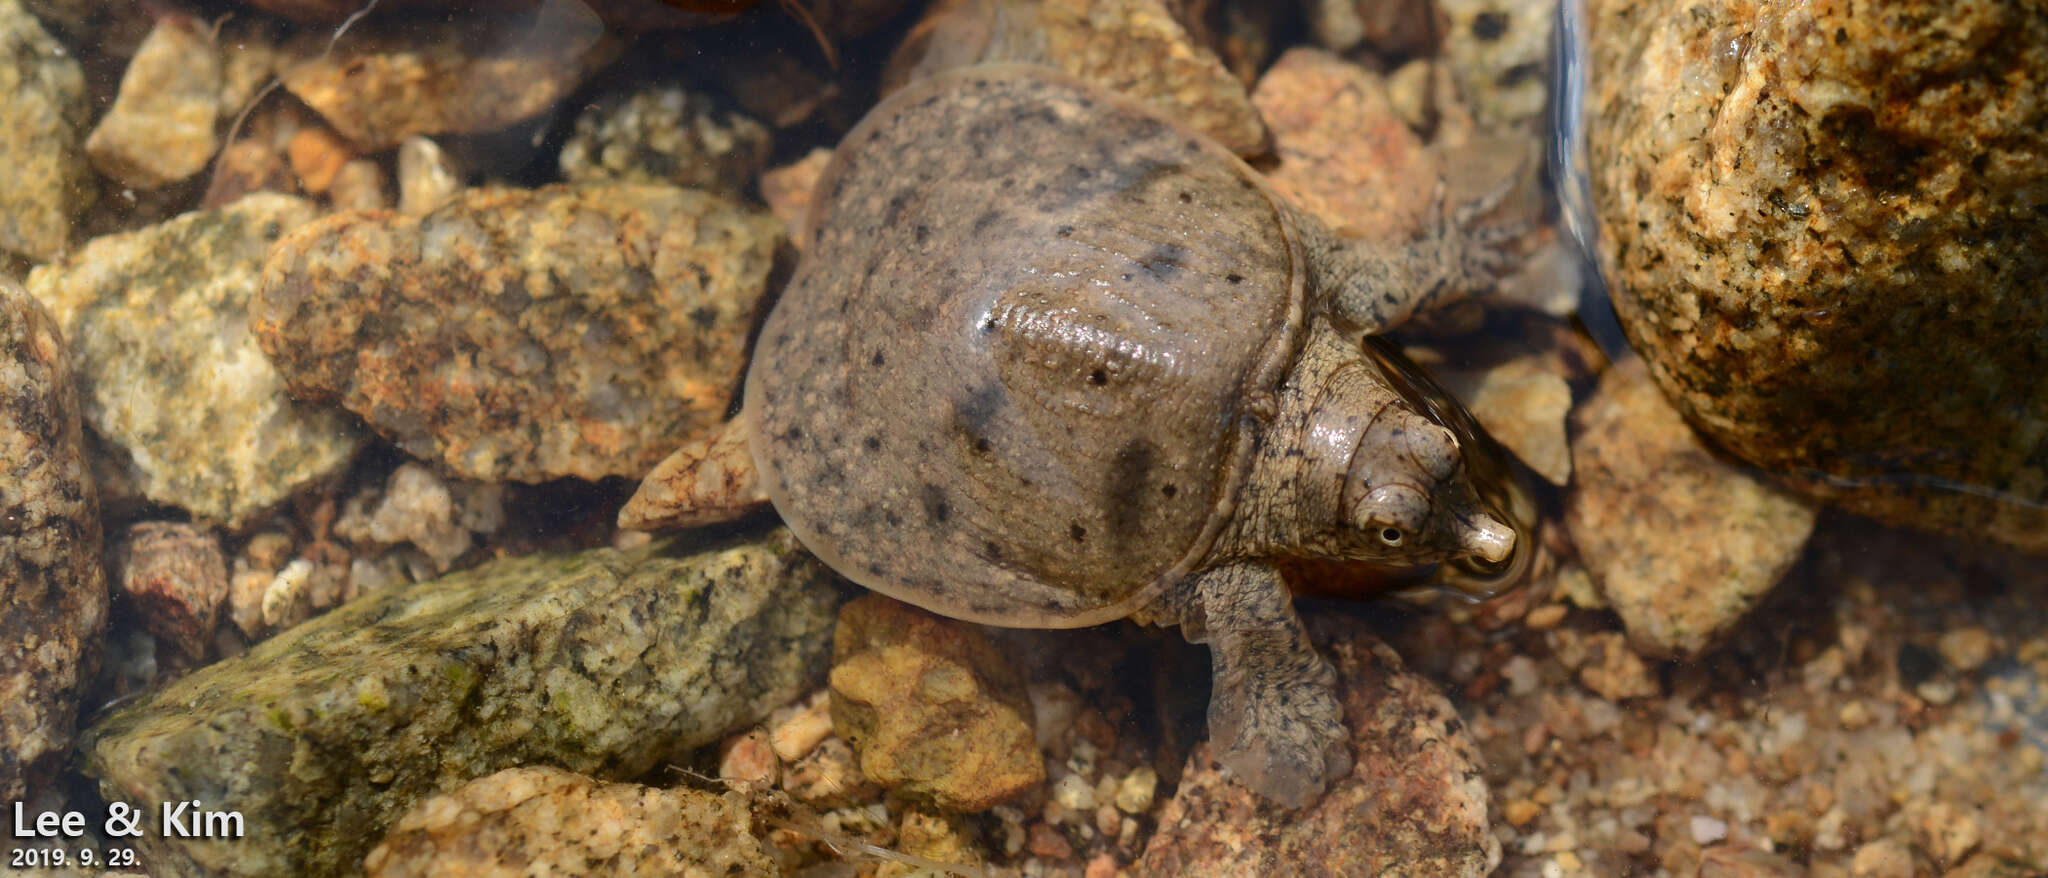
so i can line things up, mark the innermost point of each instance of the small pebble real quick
(1707, 830)
(799, 732)
(1545, 617)
(1074, 793)
(1047, 841)
(746, 759)
(1967, 649)
(427, 176)
(175, 575)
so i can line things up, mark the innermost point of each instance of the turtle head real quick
(1409, 499)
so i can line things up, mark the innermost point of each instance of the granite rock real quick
(1826, 227)
(158, 319)
(525, 334)
(1136, 47)
(176, 578)
(1413, 804)
(53, 595)
(1344, 155)
(932, 708)
(418, 507)
(1643, 483)
(1498, 56)
(541, 820)
(427, 176)
(1523, 404)
(604, 662)
(666, 135)
(788, 191)
(160, 129)
(42, 123)
(382, 83)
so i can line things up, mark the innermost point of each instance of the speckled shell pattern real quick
(1009, 380)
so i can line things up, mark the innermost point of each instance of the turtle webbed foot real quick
(1274, 719)
(1281, 731)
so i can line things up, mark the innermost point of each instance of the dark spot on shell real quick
(1064, 231)
(1234, 278)
(973, 414)
(1098, 378)
(981, 445)
(703, 316)
(986, 221)
(1124, 494)
(1165, 260)
(1168, 490)
(895, 208)
(935, 509)
(1186, 198)
(994, 551)
(890, 516)
(876, 360)
(874, 443)
(921, 233)
(1078, 532)
(1490, 25)
(1518, 74)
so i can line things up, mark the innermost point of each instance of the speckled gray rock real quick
(1644, 483)
(525, 334)
(42, 121)
(161, 127)
(1825, 226)
(53, 595)
(158, 320)
(1415, 802)
(666, 135)
(540, 820)
(604, 662)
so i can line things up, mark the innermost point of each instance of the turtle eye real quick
(1391, 536)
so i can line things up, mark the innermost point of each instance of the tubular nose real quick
(1486, 538)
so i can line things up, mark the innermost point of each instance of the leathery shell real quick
(1009, 378)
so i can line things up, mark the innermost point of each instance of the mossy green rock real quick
(605, 662)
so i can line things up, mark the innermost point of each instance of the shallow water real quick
(371, 321)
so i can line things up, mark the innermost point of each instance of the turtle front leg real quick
(1273, 712)
(1371, 285)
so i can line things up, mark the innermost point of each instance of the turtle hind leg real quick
(709, 480)
(1273, 713)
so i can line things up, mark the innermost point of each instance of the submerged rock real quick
(541, 820)
(1413, 804)
(161, 127)
(176, 578)
(1645, 484)
(666, 135)
(53, 595)
(525, 334)
(159, 320)
(381, 83)
(603, 662)
(933, 709)
(1826, 228)
(1344, 155)
(42, 122)
(1135, 47)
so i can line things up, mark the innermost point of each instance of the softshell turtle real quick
(1052, 360)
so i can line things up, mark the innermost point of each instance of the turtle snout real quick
(1484, 537)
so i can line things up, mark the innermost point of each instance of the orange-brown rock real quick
(1825, 225)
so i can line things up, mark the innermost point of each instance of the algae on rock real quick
(604, 662)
